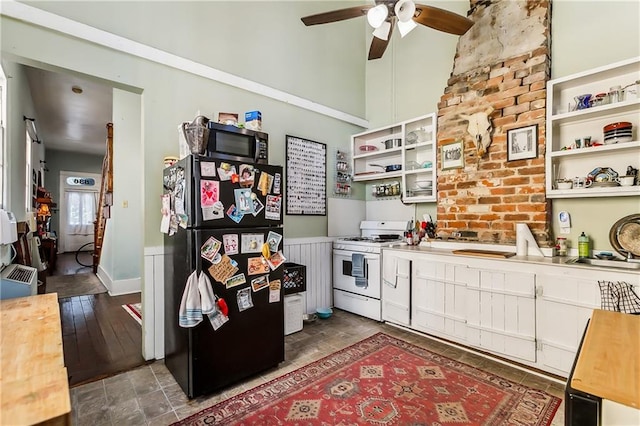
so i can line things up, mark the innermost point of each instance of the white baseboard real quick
(119, 287)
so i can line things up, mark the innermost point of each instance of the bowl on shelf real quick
(615, 139)
(324, 313)
(617, 126)
(423, 184)
(368, 148)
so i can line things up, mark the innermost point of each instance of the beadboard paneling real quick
(316, 255)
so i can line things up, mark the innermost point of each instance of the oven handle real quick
(347, 254)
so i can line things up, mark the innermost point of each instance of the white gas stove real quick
(374, 235)
(357, 267)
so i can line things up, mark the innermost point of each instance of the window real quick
(3, 150)
(81, 207)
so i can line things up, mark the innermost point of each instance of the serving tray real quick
(484, 253)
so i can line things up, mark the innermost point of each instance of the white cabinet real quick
(565, 124)
(412, 151)
(529, 312)
(438, 300)
(566, 298)
(501, 314)
(396, 288)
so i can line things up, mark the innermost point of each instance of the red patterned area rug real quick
(384, 381)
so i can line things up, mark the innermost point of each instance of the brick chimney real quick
(500, 69)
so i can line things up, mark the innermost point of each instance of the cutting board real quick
(484, 253)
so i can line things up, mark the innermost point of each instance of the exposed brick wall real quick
(489, 195)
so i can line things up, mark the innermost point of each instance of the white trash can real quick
(293, 308)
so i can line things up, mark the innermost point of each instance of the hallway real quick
(99, 337)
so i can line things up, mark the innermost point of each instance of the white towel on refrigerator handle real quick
(207, 298)
(190, 313)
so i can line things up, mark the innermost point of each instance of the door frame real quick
(62, 223)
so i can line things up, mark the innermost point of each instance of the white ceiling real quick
(68, 121)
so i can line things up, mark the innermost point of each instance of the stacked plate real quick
(618, 132)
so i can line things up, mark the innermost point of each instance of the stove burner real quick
(379, 239)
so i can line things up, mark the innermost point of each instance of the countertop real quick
(33, 378)
(446, 248)
(609, 362)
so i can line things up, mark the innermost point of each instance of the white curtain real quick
(81, 212)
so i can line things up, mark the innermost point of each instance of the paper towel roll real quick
(521, 245)
(525, 240)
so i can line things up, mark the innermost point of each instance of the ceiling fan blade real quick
(442, 20)
(336, 15)
(378, 46)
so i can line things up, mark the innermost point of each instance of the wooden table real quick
(609, 361)
(34, 387)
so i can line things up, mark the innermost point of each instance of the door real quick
(78, 207)
(343, 277)
(439, 299)
(396, 289)
(501, 312)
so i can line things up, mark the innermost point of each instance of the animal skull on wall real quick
(480, 129)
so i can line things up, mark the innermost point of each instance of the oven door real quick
(343, 278)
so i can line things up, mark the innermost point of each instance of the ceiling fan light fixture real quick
(406, 27)
(376, 16)
(405, 9)
(382, 32)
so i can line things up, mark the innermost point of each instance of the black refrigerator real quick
(223, 219)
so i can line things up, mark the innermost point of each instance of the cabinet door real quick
(501, 313)
(438, 299)
(564, 306)
(396, 289)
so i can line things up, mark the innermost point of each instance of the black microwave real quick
(232, 143)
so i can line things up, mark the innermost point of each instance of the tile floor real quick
(149, 395)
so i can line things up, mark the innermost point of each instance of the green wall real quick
(268, 44)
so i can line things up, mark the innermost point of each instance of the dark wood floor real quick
(99, 337)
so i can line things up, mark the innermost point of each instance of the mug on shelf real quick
(579, 182)
(626, 180)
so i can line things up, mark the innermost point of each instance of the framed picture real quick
(306, 177)
(522, 143)
(452, 155)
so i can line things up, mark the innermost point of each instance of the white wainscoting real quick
(316, 254)
(153, 304)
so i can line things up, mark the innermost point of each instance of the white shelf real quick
(563, 128)
(618, 191)
(419, 171)
(582, 114)
(377, 176)
(421, 151)
(379, 153)
(597, 150)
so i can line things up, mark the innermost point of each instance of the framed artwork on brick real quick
(522, 143)
(452, 155)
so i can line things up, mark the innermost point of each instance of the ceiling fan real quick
(383, 15)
